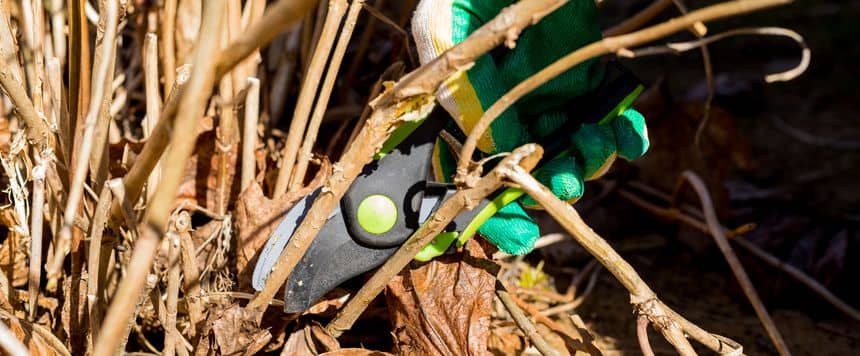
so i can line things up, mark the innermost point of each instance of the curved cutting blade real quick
(279, 238)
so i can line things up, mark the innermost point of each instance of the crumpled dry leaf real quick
(193, 188)
(13, 251)
(33, 341)
(443, 307)
(310, 339)
(256, 217)
(505, 343)
(232, 330)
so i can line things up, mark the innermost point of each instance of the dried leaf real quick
(310, 339)
(233, 331)
(443, 307)
(505, 343)
(34, 342)
(256, 217)
(13, 251)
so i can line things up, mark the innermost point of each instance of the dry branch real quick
(605, 46)
(645, 301)
(523, 321)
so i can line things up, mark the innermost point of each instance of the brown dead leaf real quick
(505, 343)
(32, 340)
(232, 330)
(443, 307)
(309, 339)
(256, 217)
(13, 251)
(5, 134)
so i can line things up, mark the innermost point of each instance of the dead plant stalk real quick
(304, 156)
(307, 94)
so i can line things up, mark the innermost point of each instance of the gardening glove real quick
(439, 25)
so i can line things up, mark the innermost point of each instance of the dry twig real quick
(615, 44)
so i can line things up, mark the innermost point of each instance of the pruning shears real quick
(392, 198)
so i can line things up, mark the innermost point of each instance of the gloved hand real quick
(440, 24)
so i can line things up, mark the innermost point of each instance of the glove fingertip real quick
(563, 177)
(512, 230)
(631, 135)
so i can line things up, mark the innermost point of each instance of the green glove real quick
(439, 25)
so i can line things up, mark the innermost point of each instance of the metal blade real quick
(279, 238)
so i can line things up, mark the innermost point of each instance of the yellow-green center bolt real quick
(377, 214)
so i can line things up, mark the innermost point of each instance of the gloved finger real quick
(596, 148)
(563, 176)
(512, 230)
(631, 134)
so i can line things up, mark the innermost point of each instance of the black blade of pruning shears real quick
(391, 198)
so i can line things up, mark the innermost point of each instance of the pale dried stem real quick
(307, 94)
(716, 230)
(191, 108)
(58, 24)
(523, 321)
(669, 323)
(169, 37)
(526, 156)
(277, 17)
(321, 105)
(37, 218)
(249, 134)
(605, 46)
(94, 279)
(111, 16)
(171, 333)
(153, 101)
(59, 113)
(191, 281)
(98, 159)
(10, 343)
(34, 125)
(642, 335)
